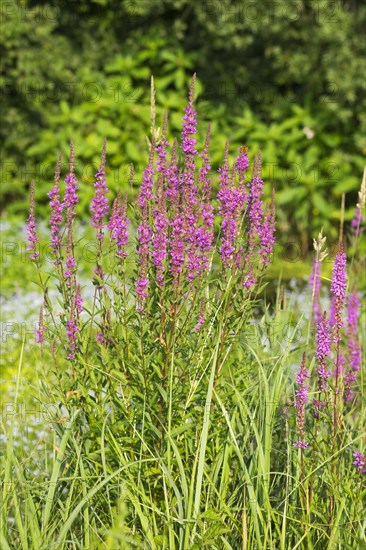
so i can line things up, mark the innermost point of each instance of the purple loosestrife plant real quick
(255, 202)
(161, 222)
(323, 345)
(338, 288)
(71, 191)
(205, 232)
(227, 225)
(301, 399)
(31, 227)
(56, 218)
(99, 205)
(118, 225)
(175, 230)
(231, 205)
(266, 233)
(188, 189)
(71, 332)
(70, 266)
(176, 245)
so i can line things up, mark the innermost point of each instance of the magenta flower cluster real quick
(118, 226)
(338, 288)
(31, 227)
(339, 279)
(56, 210)
(360, 462)
(323, 345)
(71, 193)
(71, 333)
(99, 206)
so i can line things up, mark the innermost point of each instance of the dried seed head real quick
(318, 246)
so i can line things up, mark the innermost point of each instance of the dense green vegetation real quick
(290, 76)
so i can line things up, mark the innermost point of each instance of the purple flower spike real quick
(301, 444)
(339, 280)
(141, 288)
(31, 227)
(172, 176)
(323, 341)
(266, 233)
(190, 124)
(249, 280)
(160, 242)
(205, 234)
(146, 189)
(360, 462)
(99, 205)
(338, 287)
(71, 192)
(255, 202)
(242, 162)
(57, 209)
(231, 201)
(70, 267)
(118, 225)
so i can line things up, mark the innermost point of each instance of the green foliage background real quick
(266, 71)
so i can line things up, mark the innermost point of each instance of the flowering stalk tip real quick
(31, 227)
